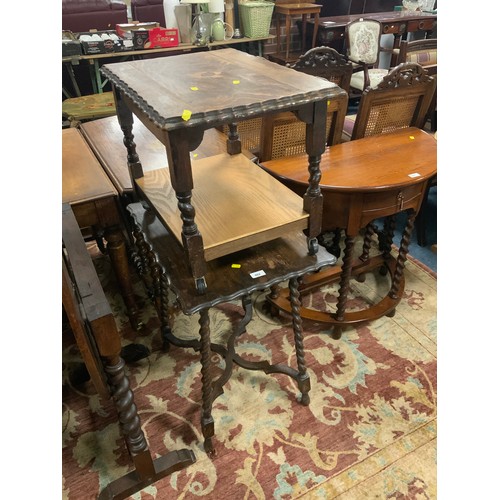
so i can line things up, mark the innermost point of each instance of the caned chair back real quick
(401, 100)
(327, 63)
(284, 134)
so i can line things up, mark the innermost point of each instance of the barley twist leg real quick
(344, 285)
(207, 421)
(302, 377)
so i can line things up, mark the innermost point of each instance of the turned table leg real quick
(344, 285)
(118, 256)
(403, 252)
(302, 378)
(207, 421)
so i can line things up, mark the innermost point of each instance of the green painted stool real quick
(88, 107)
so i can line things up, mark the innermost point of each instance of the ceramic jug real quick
(221, 30)
(218, 31)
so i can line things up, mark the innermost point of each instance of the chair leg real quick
(421, 219)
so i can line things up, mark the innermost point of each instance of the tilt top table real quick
(226, 203)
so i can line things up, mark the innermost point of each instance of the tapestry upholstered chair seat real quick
(363, 50)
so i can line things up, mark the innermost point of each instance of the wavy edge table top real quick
(240, 86)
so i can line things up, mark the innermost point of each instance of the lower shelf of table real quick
(237, 204)
(274, 261)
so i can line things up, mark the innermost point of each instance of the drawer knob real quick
(400, 200)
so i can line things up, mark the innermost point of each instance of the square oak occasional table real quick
(227, 203)
(197, 217)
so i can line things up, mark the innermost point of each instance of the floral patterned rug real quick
(369, 431)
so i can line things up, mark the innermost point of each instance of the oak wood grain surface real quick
(229, 84)
(371, 163)
(237, 204)
(106, 140)
(83, 178)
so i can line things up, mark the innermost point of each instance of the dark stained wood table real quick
(217, 88)
(363, 180)
(203, 216)
(257, 268)
(99, 341)
(86, 187)
(331, 30)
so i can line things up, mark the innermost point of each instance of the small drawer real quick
(421, 25)
(384, 203)
(326, 35)
(392, 28)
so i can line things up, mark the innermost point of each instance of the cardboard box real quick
(70, 44)
(101, 46)
(125, 30)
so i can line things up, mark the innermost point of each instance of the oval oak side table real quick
(363, 180)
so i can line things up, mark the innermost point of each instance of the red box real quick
(162, 37)
(149, 35)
